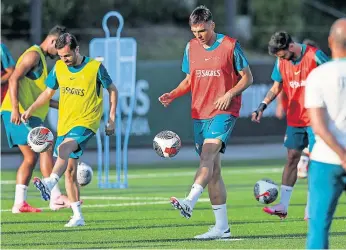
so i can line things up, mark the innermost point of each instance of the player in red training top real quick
(281, 108)
(293, 65)
(217, 72)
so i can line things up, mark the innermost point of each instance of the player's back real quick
(334, 94)
(330, 88)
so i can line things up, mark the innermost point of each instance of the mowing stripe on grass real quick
(123, 204)
(182, 174)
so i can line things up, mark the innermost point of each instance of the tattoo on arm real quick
(271, 95)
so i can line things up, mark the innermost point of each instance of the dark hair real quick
(200, 15)
(310, 43)
(57, 30)
(279, 41)
(66, 39)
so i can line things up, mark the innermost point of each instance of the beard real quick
(291, 56)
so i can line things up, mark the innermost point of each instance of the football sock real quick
(76, 208)
(51, 180)
(195, 193)
(221, 220)
(21, 194)
(55, 193)
(286, 192)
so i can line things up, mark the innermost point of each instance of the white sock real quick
(221, 220)
(21, 194)
(52, 180)
(55, 193)
(307, 205)
(286, 192)
(76, 208)
(195, 193)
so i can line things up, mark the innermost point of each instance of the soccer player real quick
(25, 85)
(80, 80)
(217, 72)
(326, 104)
(294, 63)
(7, 68)
(281, 108)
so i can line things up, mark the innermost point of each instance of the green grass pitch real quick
(141, 216)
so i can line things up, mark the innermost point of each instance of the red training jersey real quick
(212, 75)
(294, 79)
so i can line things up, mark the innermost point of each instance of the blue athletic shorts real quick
(218, 127)
(299, 138)
(81, 135)
(18, 134)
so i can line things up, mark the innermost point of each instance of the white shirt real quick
(326, 88)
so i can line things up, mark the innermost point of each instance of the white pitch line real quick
(131, 204)
(166, 175)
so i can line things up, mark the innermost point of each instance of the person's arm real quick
(280, 109)
(184, 86)
(7, 63)
(271, 95)
(242, 67)
(105, 80)
(42, 99)
(113, 101)
(29, 61)
(320, 57)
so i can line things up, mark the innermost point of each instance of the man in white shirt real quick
(325, 97)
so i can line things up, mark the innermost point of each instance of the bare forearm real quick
(242, 85)
(13, 89)
(113, 101)
(42, 99)
(272, 94)
(183, 88)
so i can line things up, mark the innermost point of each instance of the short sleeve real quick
(185, 67)
(320, 57)
(103, 77)
(239, 58)
(52, 81)
(313, 91)
(276, 75)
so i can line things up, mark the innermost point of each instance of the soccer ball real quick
(40, 139)
(266, 191)
(167, 144)
(84, 174)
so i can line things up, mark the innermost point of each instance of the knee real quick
(293, 158)
(30, 159)
(206, 158)
(63, 150)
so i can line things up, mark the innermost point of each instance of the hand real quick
(15, 117)
(26, 115)
(110, 128)
(280, 112)
(256, 116)
(166, 99)
(223, 102)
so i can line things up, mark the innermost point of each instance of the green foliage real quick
(271, 16)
